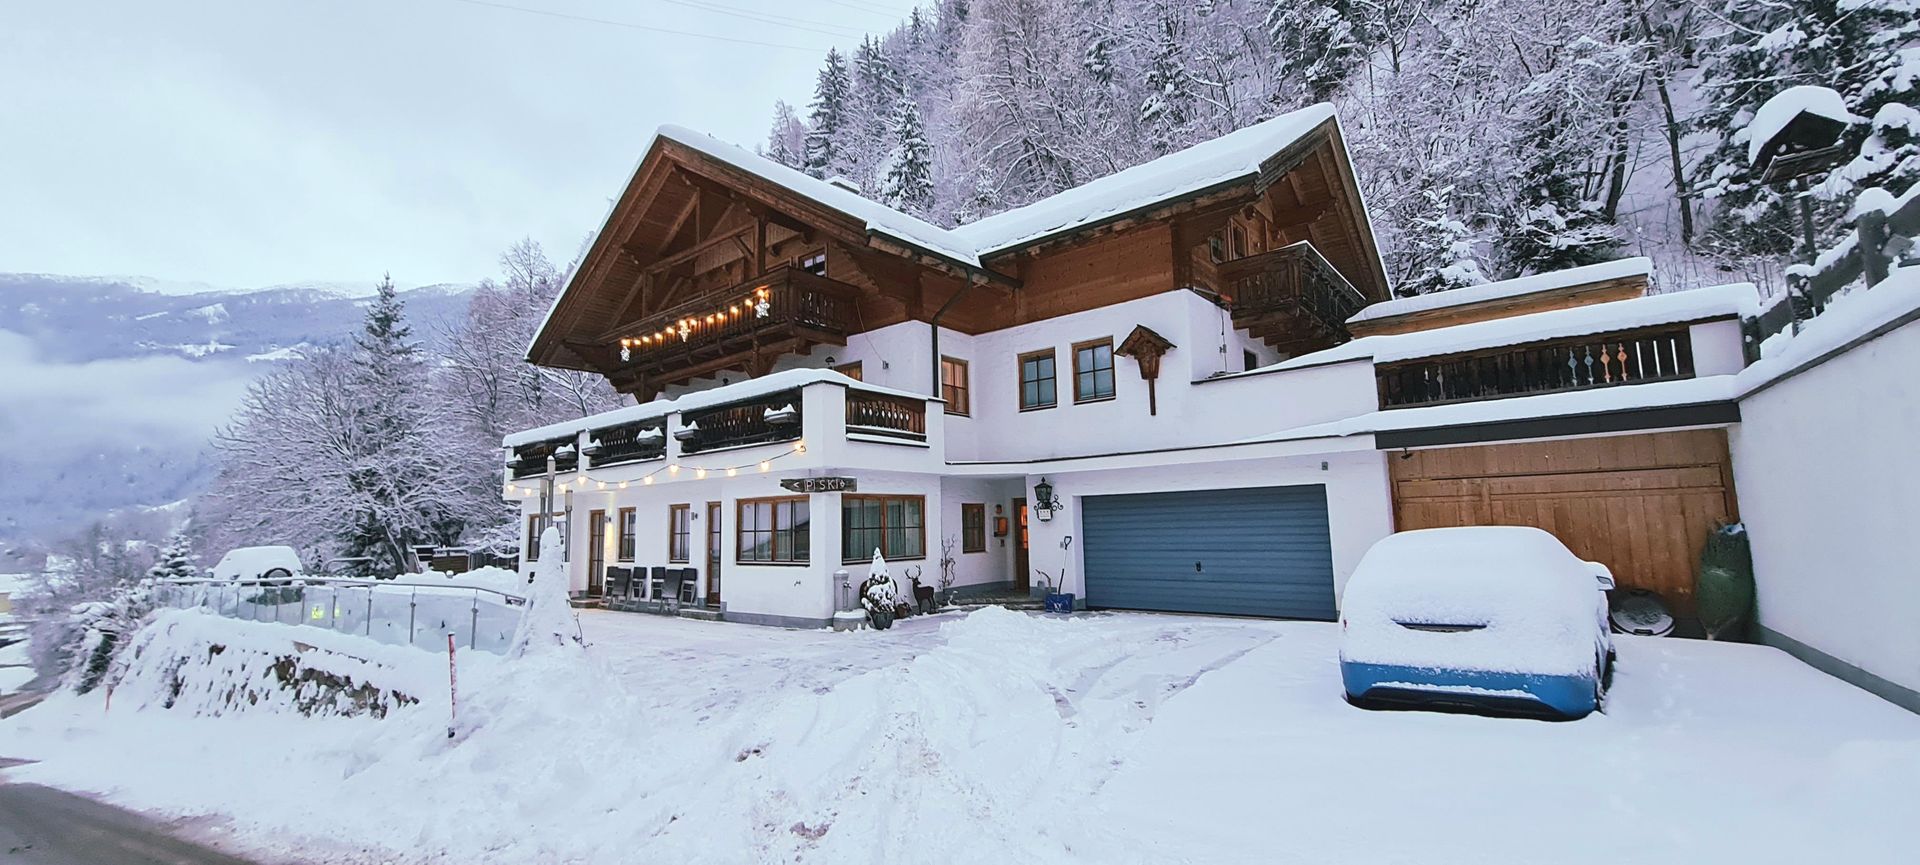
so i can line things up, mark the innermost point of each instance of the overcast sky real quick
(249, 142)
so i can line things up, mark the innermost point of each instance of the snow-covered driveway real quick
(1005, 737)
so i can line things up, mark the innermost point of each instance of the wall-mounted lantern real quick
(1044, 504)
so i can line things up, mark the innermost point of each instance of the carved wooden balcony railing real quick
(771, 418)
(628, 443)
(886, 415)
(1291, 295)
(1580, 363)
(781, 311)
(530, 460)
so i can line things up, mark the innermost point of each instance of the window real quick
(973, 528)
(1216, 248)
(1249, 360)
(773, 531)
(629, 526)
(894, 525)
(1093, 370)
(1236, 243)
(814, 263)
(679, 533)
(1036, 380)
(851, 370)
(953, 385)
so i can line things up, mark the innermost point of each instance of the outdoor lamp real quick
(1044, 504)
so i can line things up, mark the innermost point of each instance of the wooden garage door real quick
(1642, 504)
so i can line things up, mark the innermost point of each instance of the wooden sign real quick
(820, 485)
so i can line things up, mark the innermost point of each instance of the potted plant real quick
(877, 594)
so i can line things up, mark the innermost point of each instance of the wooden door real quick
(1021, 580)
(713, 554)
(1640, 504)
(596, 552)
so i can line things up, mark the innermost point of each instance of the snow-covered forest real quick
(1493, 138)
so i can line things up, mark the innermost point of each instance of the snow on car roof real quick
(1535, 602)
(243, 563)
(1507, 288)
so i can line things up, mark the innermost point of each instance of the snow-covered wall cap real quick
(1740, 299)
(1507, 288)
(1232, 156)
(749, 389)
(1777, 112)
(878, 217)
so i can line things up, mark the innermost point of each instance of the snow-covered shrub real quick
(99, 629)
(878, 593)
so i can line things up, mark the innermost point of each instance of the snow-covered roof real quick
(1230, 157)
(1700, 303)
(1692, 391)
(749, 389)
(1778, 111)
(1507, 288)
(879, 217)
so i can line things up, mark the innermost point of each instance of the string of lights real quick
(671, 469)
(756, 302)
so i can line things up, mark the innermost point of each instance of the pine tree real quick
(176, 560)
(1440, 240)
(828, 118)
(1554, 226)
(909, 180)
(1316, 47)
(393, 465)
(787, 140)
(1857, 48)
(1167, 110)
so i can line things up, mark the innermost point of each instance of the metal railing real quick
(394, 613)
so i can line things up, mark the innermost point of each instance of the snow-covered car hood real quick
(1530, 604)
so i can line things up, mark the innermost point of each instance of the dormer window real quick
(815, 263)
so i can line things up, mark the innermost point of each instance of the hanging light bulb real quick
(603, 484)
(700, 474)
(733, 472)
(764, 465)
(673, 469)
(623, 485)
(648, 481)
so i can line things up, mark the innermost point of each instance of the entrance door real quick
(1021, 581)
(713, 554)
(596, 551)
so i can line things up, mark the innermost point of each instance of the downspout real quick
(935, 324)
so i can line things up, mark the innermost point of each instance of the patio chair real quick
(676, 580)
(657, 581)
(619, 582)
(691, 582)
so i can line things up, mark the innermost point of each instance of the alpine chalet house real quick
(1181, 387)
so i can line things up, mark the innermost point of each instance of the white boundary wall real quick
(1828, 471)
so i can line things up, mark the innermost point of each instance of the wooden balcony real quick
(882, 414)
(1290, 297)
(628, 443)
(772, 418)
(745, 327)
(530, 460)
(1581, 363)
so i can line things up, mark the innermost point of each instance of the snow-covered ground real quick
(1005, 737)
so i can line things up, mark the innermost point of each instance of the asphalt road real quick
(43, 826)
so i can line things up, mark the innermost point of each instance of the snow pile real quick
(249, 563)
(195, 662)
(1848, 317)
(1534, 603)
(490, 578)
(547, 625)
(1778, 111)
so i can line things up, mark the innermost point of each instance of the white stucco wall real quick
(1829, 482)
(994, 565)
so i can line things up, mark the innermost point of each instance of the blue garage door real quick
(1249, 552)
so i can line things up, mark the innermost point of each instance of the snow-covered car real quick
(1494, 618)
(258, 563)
